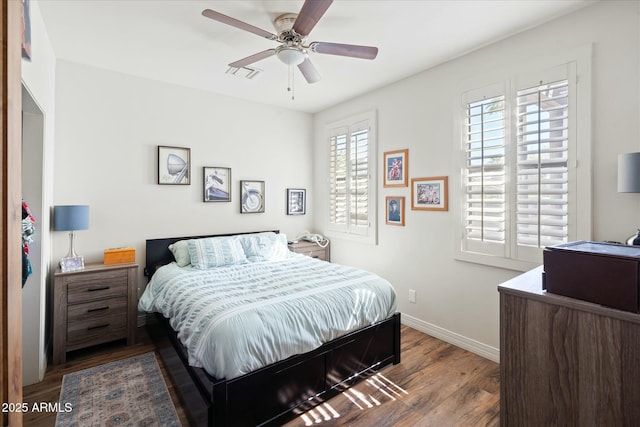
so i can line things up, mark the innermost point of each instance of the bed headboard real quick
(158, 253)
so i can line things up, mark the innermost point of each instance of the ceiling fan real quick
(293, 30)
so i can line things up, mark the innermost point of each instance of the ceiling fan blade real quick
(253, 58)
(352, 50)
(217, 16)
(310, 14)
(309, 72)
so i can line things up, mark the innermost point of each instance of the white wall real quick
(458, 301)
(107, 131)
(38, 77)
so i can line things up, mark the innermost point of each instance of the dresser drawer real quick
(95, 309)
(96, 330)
(91, 287)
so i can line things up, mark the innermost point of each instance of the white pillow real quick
(180, 252)
(267, 246)
(214, 252)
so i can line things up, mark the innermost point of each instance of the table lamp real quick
(71, 218)
(629, 173)
(629, 182)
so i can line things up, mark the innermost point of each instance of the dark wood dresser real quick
(564, 361)
(92, 306)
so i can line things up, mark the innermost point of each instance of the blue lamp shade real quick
(70, 217)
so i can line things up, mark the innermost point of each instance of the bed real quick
(263, 381)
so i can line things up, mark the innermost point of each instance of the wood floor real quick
(436, 384)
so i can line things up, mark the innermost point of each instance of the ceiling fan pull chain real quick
(291, 87)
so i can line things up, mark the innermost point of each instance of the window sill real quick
(495, 261)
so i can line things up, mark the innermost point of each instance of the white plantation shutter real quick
(485, 219)
(338, 200)
(359, 178)
(351, 176)
(542, 191)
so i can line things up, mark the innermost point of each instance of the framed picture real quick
(251, 196)
(395, 210)
(174, 165)
(26, 30)
(72, 263)
(430, 194)
(217, 184)
(296, 201)
(396, 168)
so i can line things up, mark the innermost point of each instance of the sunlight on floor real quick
(362, 399)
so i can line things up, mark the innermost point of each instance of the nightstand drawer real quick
(95, 309)
(96, 331)
(310, 249)
(90, 287)
(319, 253)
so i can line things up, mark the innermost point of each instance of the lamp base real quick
(71, 263)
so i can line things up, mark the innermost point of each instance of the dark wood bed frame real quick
(281, 391)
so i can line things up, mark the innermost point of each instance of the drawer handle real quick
(91, 310)
(104, 288)
(97, 327)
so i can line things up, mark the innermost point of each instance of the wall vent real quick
(246, 72)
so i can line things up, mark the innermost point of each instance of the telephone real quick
(319, 239)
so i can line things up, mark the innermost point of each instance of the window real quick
(519, 170)
(352, 177)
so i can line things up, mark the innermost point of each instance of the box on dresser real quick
(119, 255)
(602, 273)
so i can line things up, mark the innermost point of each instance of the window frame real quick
(366, 234)
(511, 79)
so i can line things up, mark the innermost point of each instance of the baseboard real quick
(458, 340)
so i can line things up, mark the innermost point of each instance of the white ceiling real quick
(171, 41)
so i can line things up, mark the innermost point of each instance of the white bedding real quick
(238, 318)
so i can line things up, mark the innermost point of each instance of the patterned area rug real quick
(128, 392)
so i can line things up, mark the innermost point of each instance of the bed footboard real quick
(281, 391)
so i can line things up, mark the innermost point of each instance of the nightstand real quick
(311, 249)
(92, 306)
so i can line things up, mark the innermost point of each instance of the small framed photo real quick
(396, 168)
(216, 184)
(395, 210)
(174, 165)
(251, 196)
(26, 30)
(296, 201)
(430, 194)
(72, 263)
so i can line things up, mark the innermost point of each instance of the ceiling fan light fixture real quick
(290, 55)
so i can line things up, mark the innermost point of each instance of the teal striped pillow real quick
(215, 252)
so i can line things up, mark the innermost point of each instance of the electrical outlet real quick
(412, 295)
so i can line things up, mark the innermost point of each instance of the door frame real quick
(11, 25)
